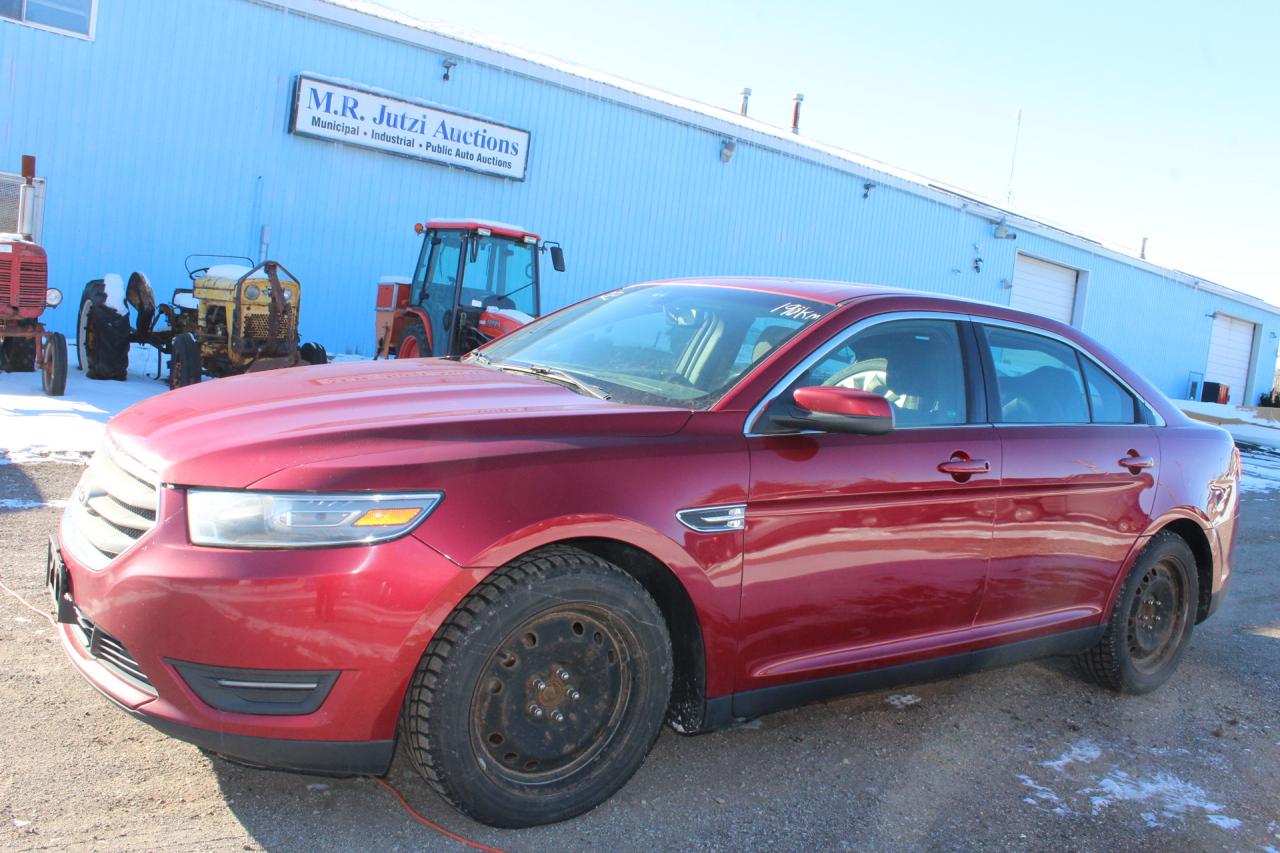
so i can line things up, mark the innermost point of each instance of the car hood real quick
(235, 431)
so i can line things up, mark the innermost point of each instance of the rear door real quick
(1079, 473)
(865, 550)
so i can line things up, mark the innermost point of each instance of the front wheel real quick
(313, 353)
(53, 375)
(542, 693)
(1151, 623)
(413, 343)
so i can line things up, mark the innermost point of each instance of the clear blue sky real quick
(1156, 119)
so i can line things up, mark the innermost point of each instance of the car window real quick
(680, 345)
(1109, 402)
(917, 365)
(1037, 379)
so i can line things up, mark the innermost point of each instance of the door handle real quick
(1136, 463)
(964, 467)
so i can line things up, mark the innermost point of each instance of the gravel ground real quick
(1027, 757)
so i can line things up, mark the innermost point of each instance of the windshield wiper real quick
(554, 374)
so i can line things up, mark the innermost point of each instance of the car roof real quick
(816, 290)
(506, 229)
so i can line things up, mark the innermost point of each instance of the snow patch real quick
(232, 271)
(1042, 796)
(1224, 821)
(1173, 799)
(115, 292)
(903, 700)
(395, 279)
(1082, 751)
(37, 428)
(14, 503)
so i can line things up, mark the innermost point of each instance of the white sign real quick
(325, 110)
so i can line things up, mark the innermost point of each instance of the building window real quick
(68, 16)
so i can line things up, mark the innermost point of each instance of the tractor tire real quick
(542, 692)
(95, 293)
(313, 353)
(184, 366)
(413, 343)
(107, 343)
(53, 377)
(18, 355)
(1151, 621)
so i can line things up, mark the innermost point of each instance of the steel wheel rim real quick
(1157, 617)
(82, 333)
(46, 368)
(408, 348)
(553, 695)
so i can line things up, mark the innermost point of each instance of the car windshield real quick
(680, 345)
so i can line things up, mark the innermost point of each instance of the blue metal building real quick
(165, 129)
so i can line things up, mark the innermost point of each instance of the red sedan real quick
(691, 501)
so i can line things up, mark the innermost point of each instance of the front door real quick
(861, 550)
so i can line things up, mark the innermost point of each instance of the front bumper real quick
(365, 613)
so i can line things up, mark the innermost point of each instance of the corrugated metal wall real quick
(166, 135)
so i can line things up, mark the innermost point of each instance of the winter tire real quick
(184, 365)
(53, 370)
(413, 343)
(313, 353)
(1151, 622)
(543, 691)
(18, 355)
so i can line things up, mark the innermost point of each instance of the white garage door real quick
(1230, 354)
(1043, 288)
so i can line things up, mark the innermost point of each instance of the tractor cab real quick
(474, 281)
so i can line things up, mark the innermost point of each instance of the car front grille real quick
(113, 505)
(110, 652)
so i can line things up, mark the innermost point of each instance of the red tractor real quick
(475, 281)
(24, 294)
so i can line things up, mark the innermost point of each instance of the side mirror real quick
(557, 258)
(832, 409)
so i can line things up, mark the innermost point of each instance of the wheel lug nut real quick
(557, 716)
(538, 684)
(574, 694)
(536, 710)
(562, 674)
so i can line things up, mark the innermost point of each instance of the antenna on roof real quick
(1013, 161)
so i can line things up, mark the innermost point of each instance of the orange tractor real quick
(24, 294)
(475, 281)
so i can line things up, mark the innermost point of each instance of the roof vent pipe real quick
(795, 114)
(746, 95)
(1142, 253)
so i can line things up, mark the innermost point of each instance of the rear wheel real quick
(102, 335)
(53, 377)
(542, 693)
(184, 365)
(413, 343)
(18, 355)
(95, 293)
(1152, 621)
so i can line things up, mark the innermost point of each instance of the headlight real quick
(252, 292)
(53, 297)
(284, 520)
(287, 294)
